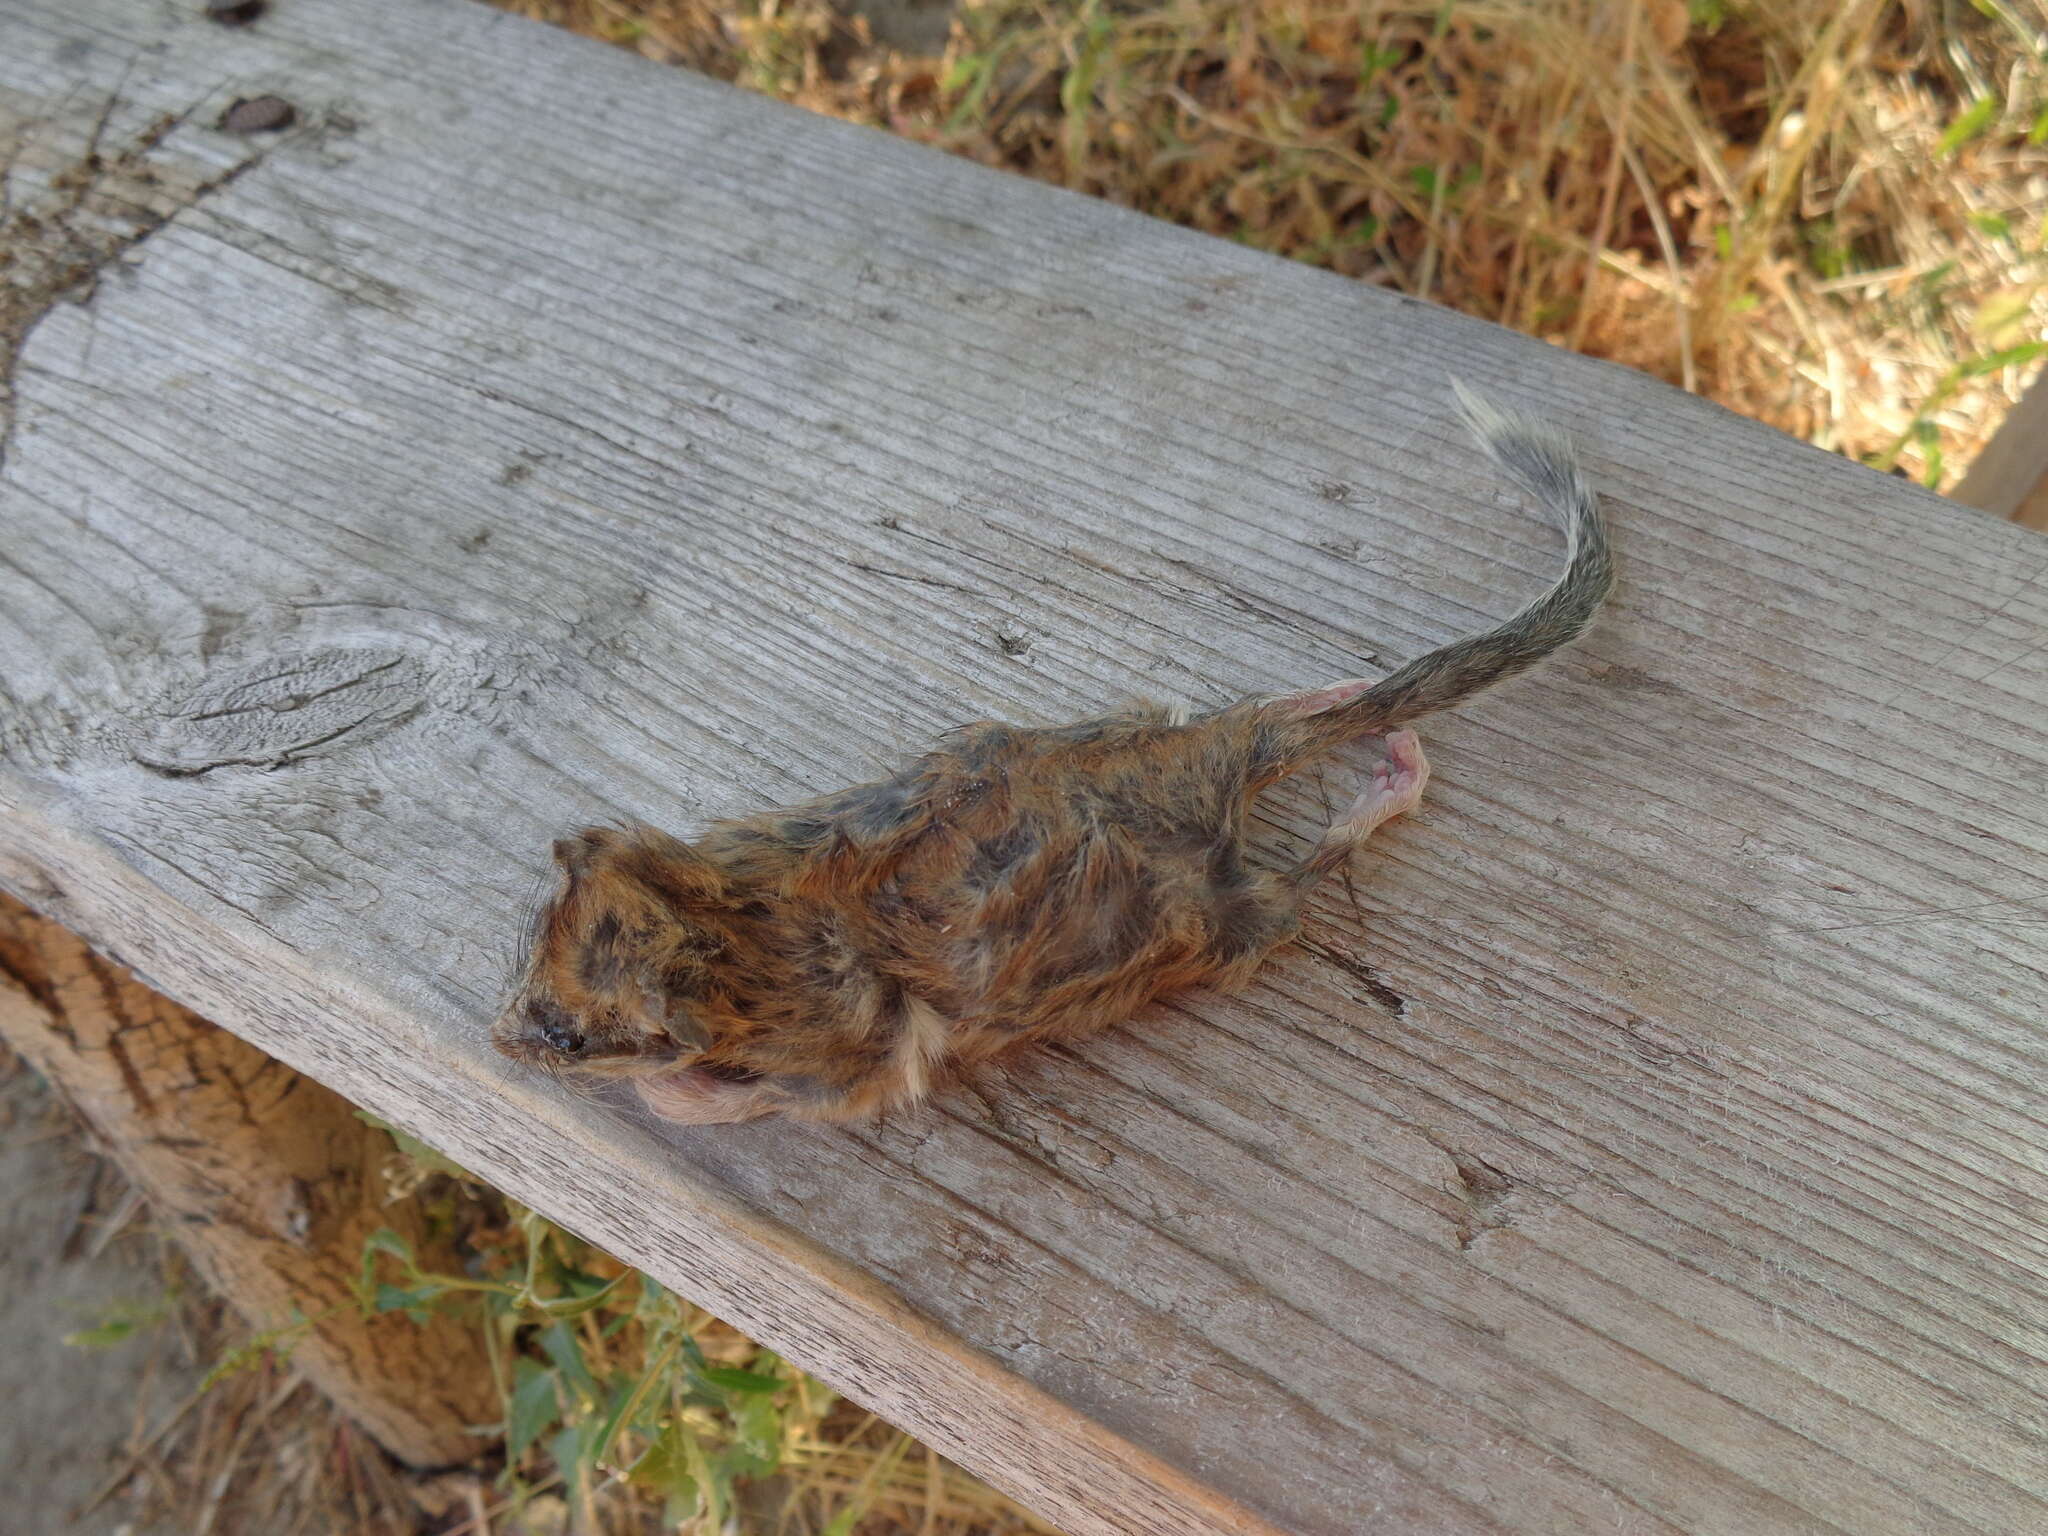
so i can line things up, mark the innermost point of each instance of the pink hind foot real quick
(1396, 788)
(1397, 785)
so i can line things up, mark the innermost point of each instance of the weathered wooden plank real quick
(2010, 475)
(1649, 1141)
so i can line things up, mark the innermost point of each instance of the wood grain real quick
(271, 1184)
(1648, 1140)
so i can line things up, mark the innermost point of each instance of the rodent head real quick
(621, 975)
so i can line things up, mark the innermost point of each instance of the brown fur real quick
(832, 960)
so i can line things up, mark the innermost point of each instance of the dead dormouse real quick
(833, 960)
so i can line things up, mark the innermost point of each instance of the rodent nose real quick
(565, 1038)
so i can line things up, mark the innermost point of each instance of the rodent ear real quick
(575, 853)
(685, 1025)
(671, 998)
(646, 854)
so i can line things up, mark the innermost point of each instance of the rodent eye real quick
(564, 1038)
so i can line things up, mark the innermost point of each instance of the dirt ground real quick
(72, 1255)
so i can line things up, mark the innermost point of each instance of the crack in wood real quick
(918, 577)
(1364, 975)
(100, 208)
(1483, 1187)
(283, 710)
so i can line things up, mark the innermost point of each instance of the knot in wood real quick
(284, 709)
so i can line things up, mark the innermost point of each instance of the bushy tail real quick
(1539, 458)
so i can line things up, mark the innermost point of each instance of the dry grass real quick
(261, 1454)
(253, 1451)
(633, 1412)
(1826, 214)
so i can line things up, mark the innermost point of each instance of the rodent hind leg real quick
(694, 1096)
(725, 1096)
(715, 1096)
(1316, 701)
(1397, 785)
(1292, 729)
